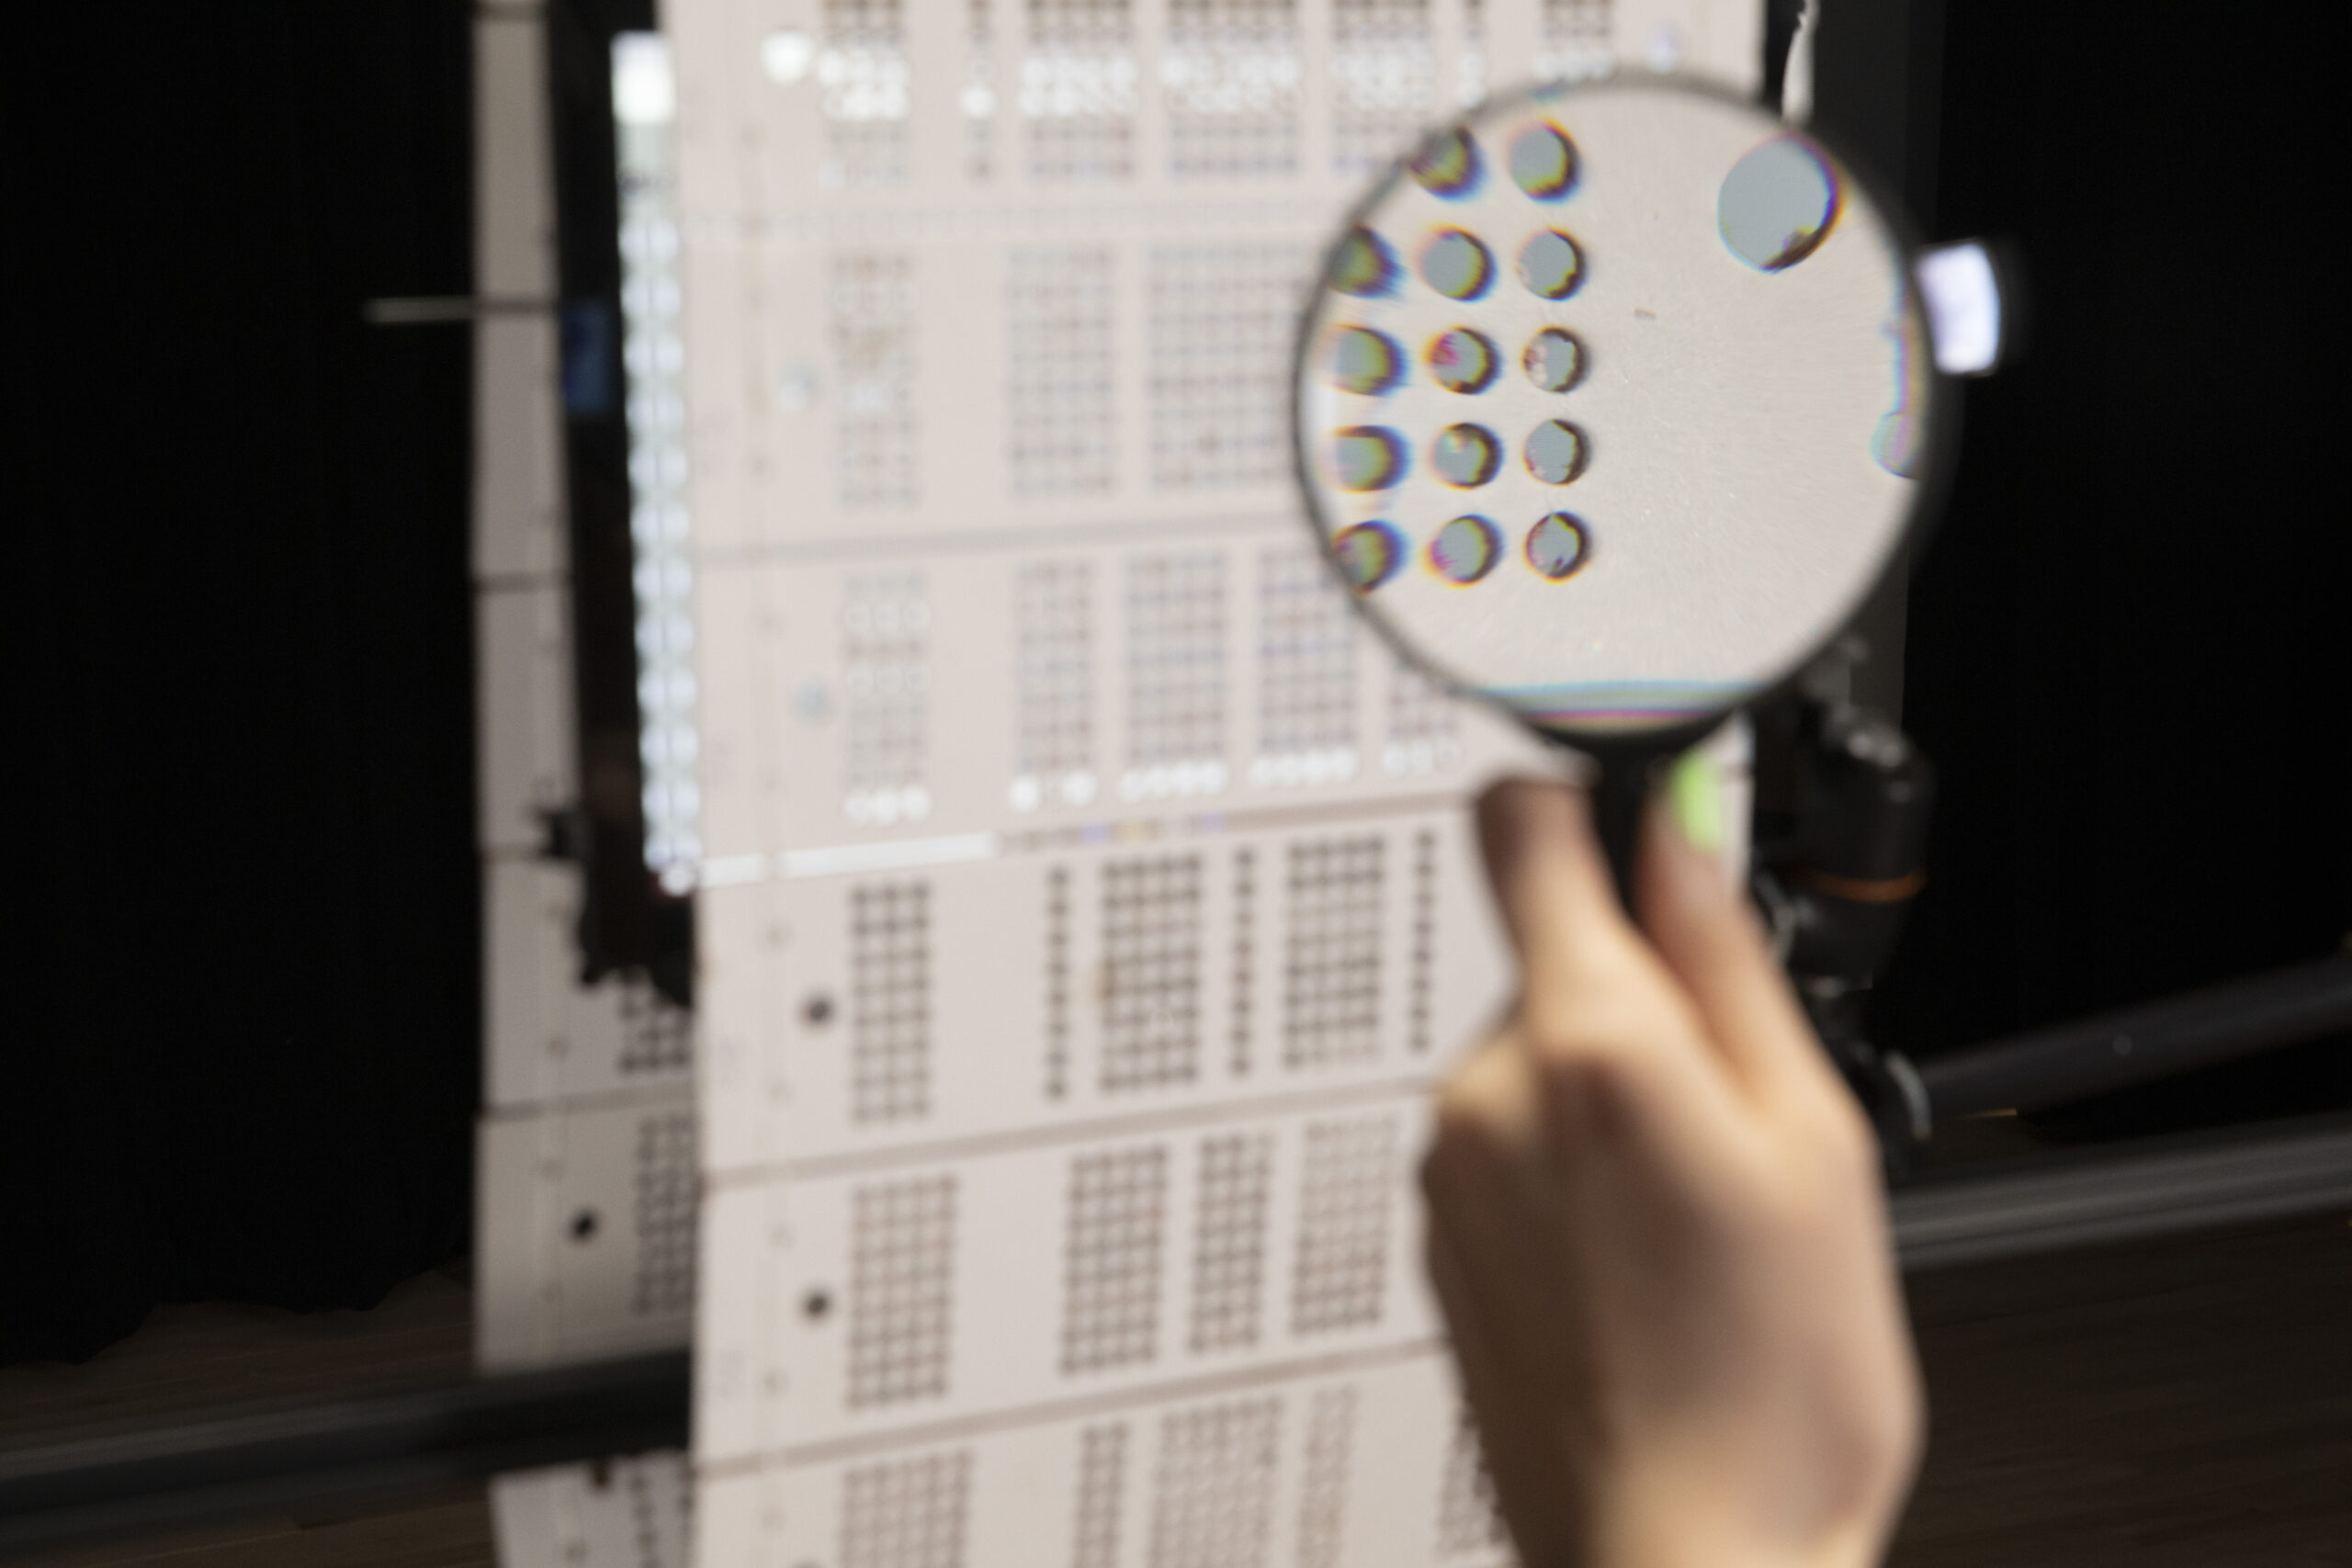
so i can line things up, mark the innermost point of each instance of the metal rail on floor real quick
(377, 1451)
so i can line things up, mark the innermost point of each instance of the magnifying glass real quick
(1614, 404)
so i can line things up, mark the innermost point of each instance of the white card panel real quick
(1088, 903)
(523, 722)
(552, 1038)
(585, 1231)
(623, 1513)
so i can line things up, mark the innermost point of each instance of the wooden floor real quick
(2177, 1402)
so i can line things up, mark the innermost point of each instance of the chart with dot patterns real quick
(1087, 903)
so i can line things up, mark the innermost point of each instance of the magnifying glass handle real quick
(1620, 788)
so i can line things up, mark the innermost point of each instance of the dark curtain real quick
(242, 1059)
(2129, 650)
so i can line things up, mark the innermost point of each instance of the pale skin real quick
(1657, 1229)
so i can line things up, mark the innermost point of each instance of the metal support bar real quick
(341, 1454)
(2117, 1050)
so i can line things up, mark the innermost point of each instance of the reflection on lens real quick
(1467, 455)
(1553, 360)
(1777, 204)
(1555, 451)
(1550, 264)
(1457, 265)
(1463, 361)
(1542, 161)
(1364, 362)
(1367, 457)
(1447, 164)
(1363, 265)
(1466, 549)
(1368, 554)
(1555, 547)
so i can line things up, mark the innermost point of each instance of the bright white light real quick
(786, 56)
(1963, 307)
(642, 91)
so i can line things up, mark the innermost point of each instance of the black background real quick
(244, 1051)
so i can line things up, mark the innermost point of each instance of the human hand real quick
(1657, 1226)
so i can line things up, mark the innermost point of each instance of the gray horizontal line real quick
(1174, 1119)
(1059, 536)
(1078, 1407)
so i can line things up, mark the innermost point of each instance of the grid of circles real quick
(666, 1197)
(1102, 1484)
(863, 80)
(1420, 973)
(1056, 983)
(1576, 39)
(889, 980)
(1175, 671)
(1470, 54)
(1078, 90)
(886, 681)
(1229, 1239)
(1241, 994)
(1220, 323)
(870, 328)
(1339, 1274)
(902, 1290)
(907, 1513)
(1331, 952)
(1381, 61)
(1306, 672)
(1422, 722)
(1229, 69)
(1151, 973)
(1212, 1498)
(1060, 416)
(978, 99)
(1467, 1520)
(1118, 1205)
(657, 1035)
(1323, 1488)
(1054, 683)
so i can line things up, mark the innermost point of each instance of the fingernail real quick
(1695, 790)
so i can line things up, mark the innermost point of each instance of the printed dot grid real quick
(889, 979)
(657, 1035)
(902, 1256)
(1054, 683)
(1467, 1519)
(1151, 980)
(1215, 1490)
(978, 99)
(1323, 1488)
(1422, 971)
(1230, 73)
(1058, 404)
(870, 327)
(1422, 737)
(1575, 39)
(1220, 321)
(1331, 952)
(1245, 962)
(1078, 90)
(665, 1206)
(1382, 58)
(1118, 1205)
(1340, 1269)
(1229, 1240)
(862, 78)
(1306, 672)
(1175, 671)
(907, 1513)
(885, 685)
(1101, 1477)
(1056, 983)
(645, 1527)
